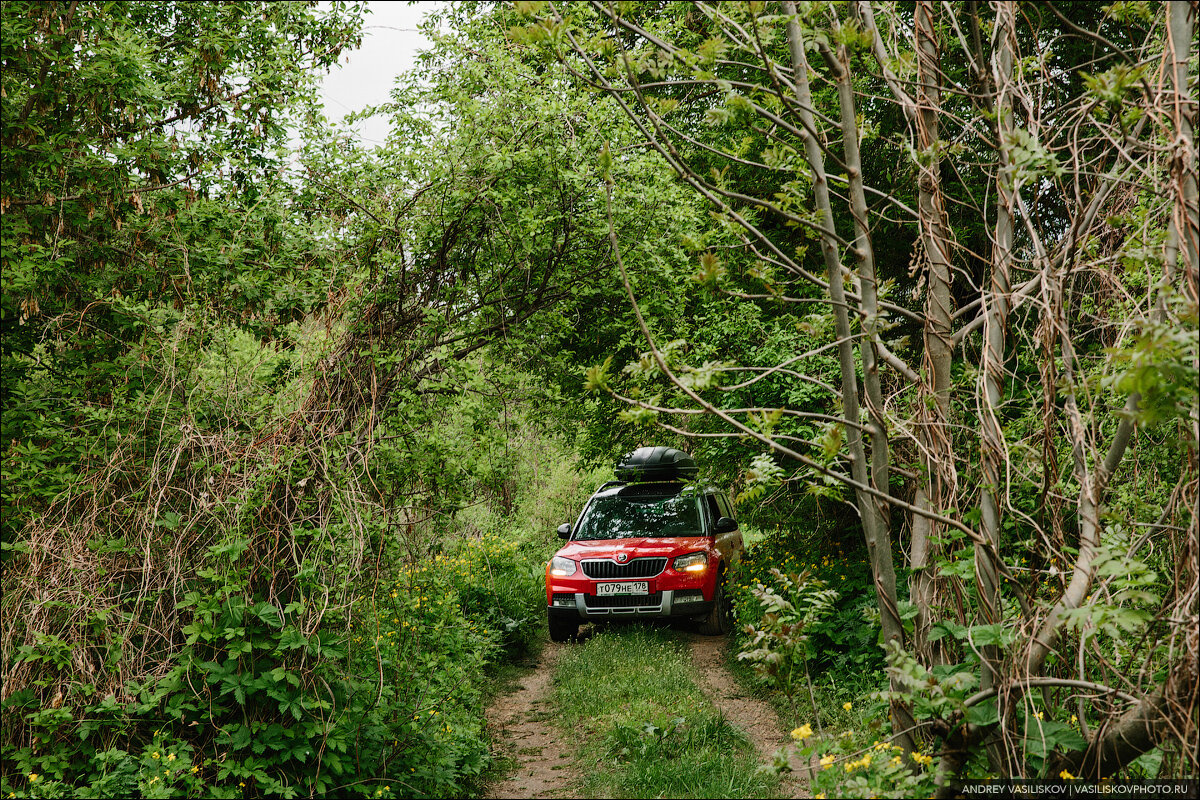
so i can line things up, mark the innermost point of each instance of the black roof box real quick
(656, 464)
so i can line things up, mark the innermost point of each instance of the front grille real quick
(637, 568)
(624, 601)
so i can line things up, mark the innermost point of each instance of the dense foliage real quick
(287, 422)
(971, 200)
(225, 574)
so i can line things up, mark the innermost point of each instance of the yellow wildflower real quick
(847, 705)
(803, 732)
(1066, 776)
(171, 757)
(827, 761)
(33, 777)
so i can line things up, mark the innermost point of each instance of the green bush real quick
(846, 641)
(258, 704)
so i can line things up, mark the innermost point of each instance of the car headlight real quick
(692, 562)
(562, 567)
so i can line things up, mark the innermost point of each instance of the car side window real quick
(723, 504)
(714, 511)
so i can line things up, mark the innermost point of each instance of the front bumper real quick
(667, 603)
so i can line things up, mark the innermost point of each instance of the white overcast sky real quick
(390, 44)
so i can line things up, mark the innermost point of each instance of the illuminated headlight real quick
(692, 562)
(562, 567)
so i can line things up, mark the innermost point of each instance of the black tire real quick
(562, 628)
(720, 620)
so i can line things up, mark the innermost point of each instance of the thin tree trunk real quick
(884, 574)
(993, 455)
(1181, 26)
(933, 401)
(874, 524)
(993, 452)
(937, 491)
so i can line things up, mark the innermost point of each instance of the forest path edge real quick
(522, 730)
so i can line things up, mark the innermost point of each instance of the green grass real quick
(646, 729)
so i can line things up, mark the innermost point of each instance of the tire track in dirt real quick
(522, 729)
(757, 718)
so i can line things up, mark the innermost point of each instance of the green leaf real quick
(596, 377)
(984, 713)
(996, 634)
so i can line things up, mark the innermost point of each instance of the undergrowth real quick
(808, 636)
(226, 595)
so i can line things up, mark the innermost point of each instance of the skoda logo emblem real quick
(622, 558)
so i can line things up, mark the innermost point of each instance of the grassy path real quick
(637, 712)
(757, 718)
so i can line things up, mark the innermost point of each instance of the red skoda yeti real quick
(649, 545)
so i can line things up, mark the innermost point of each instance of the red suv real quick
(649, 545)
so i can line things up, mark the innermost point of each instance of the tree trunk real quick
(993, 450)
(875, 529)
(938, 492)
(883, 564)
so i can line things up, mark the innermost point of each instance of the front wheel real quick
(720, 620)
(562, 628)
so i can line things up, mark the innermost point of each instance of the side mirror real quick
(726, 525)
(564, 531)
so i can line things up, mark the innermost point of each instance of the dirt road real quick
(523, 732)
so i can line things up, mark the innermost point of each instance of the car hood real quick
(633, 548)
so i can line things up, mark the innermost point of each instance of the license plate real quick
(625, 587)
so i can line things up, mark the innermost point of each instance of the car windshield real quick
(642, 510)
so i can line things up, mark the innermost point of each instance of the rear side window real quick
(723, 504)
(714, 512)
